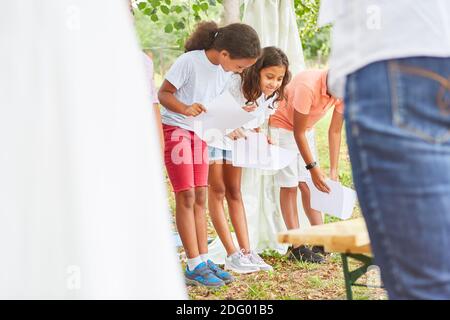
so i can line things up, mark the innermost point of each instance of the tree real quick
(315, 40)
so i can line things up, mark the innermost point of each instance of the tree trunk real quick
(231, 12)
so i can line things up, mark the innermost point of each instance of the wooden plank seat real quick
(349, 238)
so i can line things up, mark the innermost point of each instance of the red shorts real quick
(186, 158)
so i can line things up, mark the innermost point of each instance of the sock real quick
(204, 257)
(194, 262)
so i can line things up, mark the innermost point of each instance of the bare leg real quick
(288, 203)
(186, 222)
(216, 195)
(314, 216)
(232, 179)
(201, 225)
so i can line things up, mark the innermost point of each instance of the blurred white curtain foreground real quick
(83, 211)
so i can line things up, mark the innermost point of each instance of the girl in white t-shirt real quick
(198, 76)
(257, 89)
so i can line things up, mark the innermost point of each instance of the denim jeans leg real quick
(398, 131)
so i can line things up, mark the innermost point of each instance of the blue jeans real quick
(398, 129)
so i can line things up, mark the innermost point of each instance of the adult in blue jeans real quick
(391, 62)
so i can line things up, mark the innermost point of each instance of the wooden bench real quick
(349, 238)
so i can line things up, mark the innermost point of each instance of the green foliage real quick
(164, 26)
(315, 40)
(175, 16)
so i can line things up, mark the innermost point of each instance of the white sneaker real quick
(239, 263)
(258, 261)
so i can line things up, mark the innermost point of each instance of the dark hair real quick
(271, 56)
(240, 40)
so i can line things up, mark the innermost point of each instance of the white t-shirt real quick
(366, 31)
(265, 106)
(197, 81)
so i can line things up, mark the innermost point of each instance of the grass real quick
(297, 280)
(289, 281)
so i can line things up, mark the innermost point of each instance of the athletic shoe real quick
(258, 261)
(304, 254)
(202, 275)
(239, 263)
(219, 273)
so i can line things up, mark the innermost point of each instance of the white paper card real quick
(224, 114)
(256, 152)
(338, 203)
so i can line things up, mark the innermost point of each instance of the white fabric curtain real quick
(83, 212)
(275, 23)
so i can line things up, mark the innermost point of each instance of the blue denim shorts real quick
(215, 154)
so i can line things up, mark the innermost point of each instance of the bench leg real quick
(348, 282)
(351, 277)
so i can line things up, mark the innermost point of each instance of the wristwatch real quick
(311, 165)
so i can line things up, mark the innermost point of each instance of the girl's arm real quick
(159, 126)
(334, 140)
(300, 127)
(169, 101)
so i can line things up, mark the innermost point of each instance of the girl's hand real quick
(194, 110)
(250, 108)
(334, 175)
(258, 130)
(237, 134)
(318, 179)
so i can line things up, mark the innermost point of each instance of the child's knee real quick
(217, 192)
(200, 197)
(186, 198)
(234, 194)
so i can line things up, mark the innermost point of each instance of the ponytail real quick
(203, 36)
(240, 40)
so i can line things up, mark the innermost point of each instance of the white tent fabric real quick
(83, 213)
(275, 23)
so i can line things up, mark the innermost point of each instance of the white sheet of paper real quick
(256, 152)
(223, 115)
(338, 203)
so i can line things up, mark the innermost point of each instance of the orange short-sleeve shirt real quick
(306, 94)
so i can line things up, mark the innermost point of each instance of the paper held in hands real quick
(338, 203)
(256, 152)
(223, 115)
